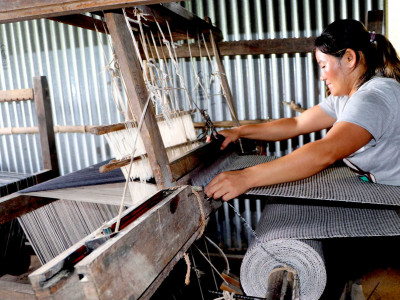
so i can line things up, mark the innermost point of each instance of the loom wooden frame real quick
(14, 205)
(11, 12)
(137, 96)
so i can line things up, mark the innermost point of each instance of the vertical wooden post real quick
(280, 285)
(137, 97)
(375, 21)
(224, 81)
(41, 96)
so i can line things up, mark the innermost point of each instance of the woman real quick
(362, 73)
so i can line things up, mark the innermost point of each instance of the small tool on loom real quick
(210, 128)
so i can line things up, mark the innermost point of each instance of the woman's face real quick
(333, 74)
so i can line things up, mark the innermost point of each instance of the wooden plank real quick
(16, 95)
(82, 21)
(188, 162)
(16, 291)
(250, 47)
(275, 281)
(180, 21)
(19, 10)
(375, 21)
(137, 97)
(105, 194)
(45, 124)
(16, 205)
(115, 164)
(131, 264)
(148, 245)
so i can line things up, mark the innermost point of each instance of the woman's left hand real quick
(228, 185)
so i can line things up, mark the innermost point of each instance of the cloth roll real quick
(304, 256)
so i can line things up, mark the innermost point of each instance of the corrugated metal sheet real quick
(260, 83)
(73, 61)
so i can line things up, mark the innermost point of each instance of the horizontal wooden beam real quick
(250, 47)
(13, 11)
(16, 95)
(169, 220)
(82, 21)
(16, 205)
(99, 129)
(188, 162)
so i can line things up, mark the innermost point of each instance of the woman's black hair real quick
(380, 56)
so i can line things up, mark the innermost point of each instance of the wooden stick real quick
(294, 106)
(224, 81)
(16, 95)
(115, 164)
(280, 284)
(103, 129)
(99, 129)
(375, 21)
(45, 124)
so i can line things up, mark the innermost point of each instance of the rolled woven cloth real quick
(290, 235)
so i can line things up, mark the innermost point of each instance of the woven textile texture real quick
(290, 235)
(333, 183)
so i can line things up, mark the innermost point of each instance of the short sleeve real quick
(328, 106)
(370, 110)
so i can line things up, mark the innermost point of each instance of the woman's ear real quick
(350, 58)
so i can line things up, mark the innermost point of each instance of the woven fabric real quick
(320, 222)
(303, 256)
(85, 177)
(333, 183)
(291, 234)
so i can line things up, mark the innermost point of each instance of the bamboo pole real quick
(94, 129)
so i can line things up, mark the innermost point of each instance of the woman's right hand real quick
(230, 135)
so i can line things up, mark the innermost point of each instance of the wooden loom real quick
(84, 275)
(168, 222)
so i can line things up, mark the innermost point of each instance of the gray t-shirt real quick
(375, 106)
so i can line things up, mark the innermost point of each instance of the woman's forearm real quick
(302, 163)
(271, 131)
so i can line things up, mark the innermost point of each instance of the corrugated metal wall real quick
(73, 61)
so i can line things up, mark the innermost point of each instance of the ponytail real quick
(390, 62)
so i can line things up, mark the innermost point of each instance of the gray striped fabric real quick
(290, 234)
(319, 222)
(333, 183)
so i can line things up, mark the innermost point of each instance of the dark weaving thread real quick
(85, 177)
